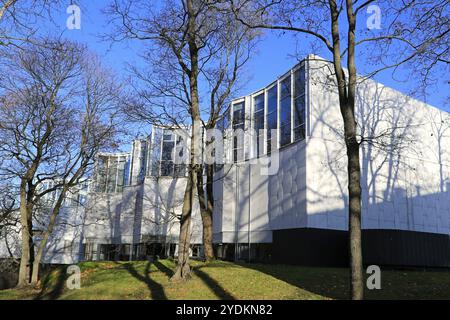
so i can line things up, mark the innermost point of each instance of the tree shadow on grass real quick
(327, 282)
(50, 290)
(220, 292)
(210, 282)
(156, 289)
(164, 269)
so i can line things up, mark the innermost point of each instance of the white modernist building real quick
(300, 213)
(281, 195)
(128, 209)
(142, 211)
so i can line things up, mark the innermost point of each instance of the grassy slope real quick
(225, 280)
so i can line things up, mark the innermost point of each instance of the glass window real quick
(143, 161)
(272, 97)
(167, 168)
(167, 136)
(126, 170)
(238, 130)
(101, 174)
(223, 126)
(180, 166)
(156, 152)
(285, 111)
(167, 150)
(167, 158)
(121, 174)
(111, 176)
(259, 103)
(299, 81)
(299, 104)
(238, 115)
(112, 173)
(258, 117)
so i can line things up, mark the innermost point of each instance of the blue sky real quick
(274, 54)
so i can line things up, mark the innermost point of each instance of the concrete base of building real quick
(329, 248)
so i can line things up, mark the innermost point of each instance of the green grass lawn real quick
(226, 280)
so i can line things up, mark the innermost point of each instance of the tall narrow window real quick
(121, 174)
(272, 97)
(112, 174)
(223, 125)
(180, 166)
(126, 170)
(101, 173)
(238, 131)
(142, 160)
(285, 111)
(156, 152)
(258, 116)
(167, 167)
(299, 104)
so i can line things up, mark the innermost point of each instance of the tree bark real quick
(346, 93)
(43, 243)
(354, 166)
(354, 224)
(24, 268)
(27, 237)
(183, 270)
(206, 210)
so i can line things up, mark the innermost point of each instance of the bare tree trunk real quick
(209, 252)
(354, 166)
(347, 108)
(354, 225)
(43, 243)
(36, 263)
(206, 210)
(24, 268)
(30, 245)
(183, 270)
(24, 271)
(27, 246)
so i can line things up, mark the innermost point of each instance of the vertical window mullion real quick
(117, 174)
(265, 121)
(252, 145)
(292, 105)
(161, 152)
(107, 174)
(174, 137)
(277, 142)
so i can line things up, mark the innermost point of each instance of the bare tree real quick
(8, 212)
(177, 29)
(189, 45)
(58, 112)
(19, 20)
(414, 32)
(236, 45)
